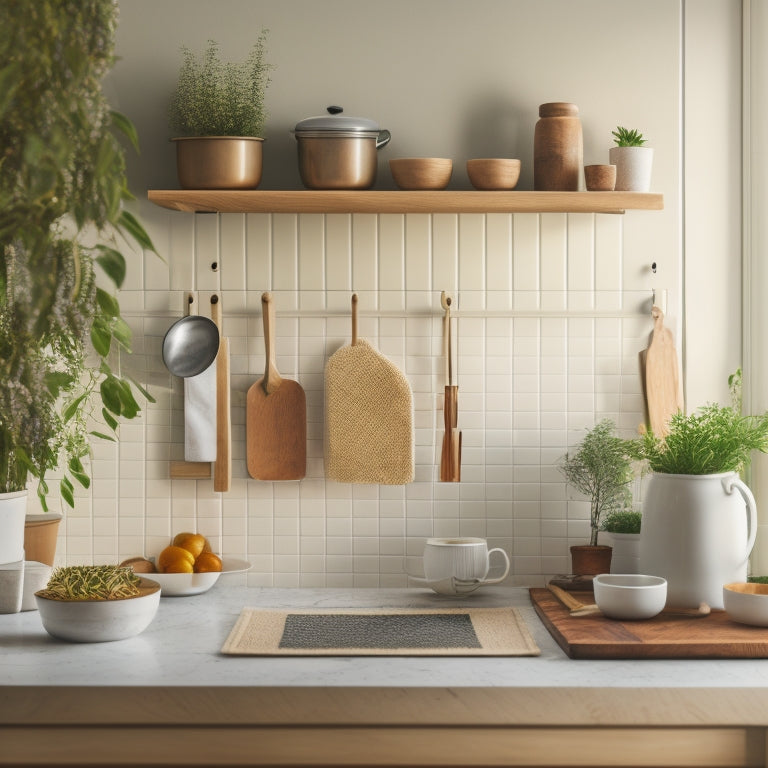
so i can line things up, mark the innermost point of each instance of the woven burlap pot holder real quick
(369, 418)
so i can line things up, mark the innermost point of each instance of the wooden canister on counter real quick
(557, 148)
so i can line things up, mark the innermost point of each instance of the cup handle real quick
(506, 569)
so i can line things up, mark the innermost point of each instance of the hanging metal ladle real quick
(190, 345)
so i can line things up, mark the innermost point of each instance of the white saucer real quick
(450, 586)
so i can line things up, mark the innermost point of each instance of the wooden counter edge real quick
(384, 706)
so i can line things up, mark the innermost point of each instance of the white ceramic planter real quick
(13, 510)
(697, 533)
(633, 168)
(626, 552)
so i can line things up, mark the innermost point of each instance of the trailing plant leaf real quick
(62, 175)
(601, 469)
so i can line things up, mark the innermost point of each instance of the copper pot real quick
(337, 151)
(219, 162)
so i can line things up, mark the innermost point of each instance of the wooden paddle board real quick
(662, 377)
(276, 416)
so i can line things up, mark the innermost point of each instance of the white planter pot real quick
(626, 552)
(698, 532)
(13, 511)
(633, 168)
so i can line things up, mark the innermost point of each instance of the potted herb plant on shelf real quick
(62, 222)
(623, 528)
(601, 469)
(699, 518)
(633, 161)
(217, 113)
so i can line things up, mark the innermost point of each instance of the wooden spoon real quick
(450, 456)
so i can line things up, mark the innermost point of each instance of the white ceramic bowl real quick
(630, 595)
(747, 603)
(184, 584)
(98, 621)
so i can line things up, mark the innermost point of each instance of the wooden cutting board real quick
(662, 637)
(662, 377)
(276, 416)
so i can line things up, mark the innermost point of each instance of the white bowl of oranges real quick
(187, 566)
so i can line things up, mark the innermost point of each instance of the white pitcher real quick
(698, 534)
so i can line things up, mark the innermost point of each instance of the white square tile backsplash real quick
(548, 337)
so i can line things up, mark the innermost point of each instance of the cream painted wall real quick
(712, 198)
(448, 78)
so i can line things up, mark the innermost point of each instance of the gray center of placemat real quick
(439, 630)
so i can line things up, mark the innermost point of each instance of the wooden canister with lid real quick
(557, 148)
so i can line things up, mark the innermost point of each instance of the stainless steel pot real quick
(337, 151)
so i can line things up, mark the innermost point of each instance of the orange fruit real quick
(175, 559)
(192, 542)
(207, 562)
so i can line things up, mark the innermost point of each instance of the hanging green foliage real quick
(62, 226)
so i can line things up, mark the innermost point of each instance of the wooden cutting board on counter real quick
(663, 637)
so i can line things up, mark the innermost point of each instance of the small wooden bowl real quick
(493, 173)
(600, 178)
(421, 172)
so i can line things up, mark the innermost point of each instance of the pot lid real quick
(335, 122)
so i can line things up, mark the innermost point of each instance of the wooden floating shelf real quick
(373, 201)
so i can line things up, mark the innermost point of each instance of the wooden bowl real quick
(493, 173)
(421, 172)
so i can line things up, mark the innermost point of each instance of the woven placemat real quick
(377, 632)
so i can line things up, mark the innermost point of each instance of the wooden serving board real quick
(663, 637)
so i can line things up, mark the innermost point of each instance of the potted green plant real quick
(217, 113)
(632, 159)
(623, 528)
(62, 224)
(601, 469)
(699, 518)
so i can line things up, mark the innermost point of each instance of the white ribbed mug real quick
(461, 558)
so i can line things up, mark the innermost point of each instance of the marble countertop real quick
(182, 647)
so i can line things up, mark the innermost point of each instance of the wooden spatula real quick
(662, 377)
(276, 416)
(222, 468)
(450, 456)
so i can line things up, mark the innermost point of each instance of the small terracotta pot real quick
(587, 560)
(600, 178)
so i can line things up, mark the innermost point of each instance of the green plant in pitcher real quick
(216, 98)
(601, 468)
(712, 440)
(62, 224)
(624, 137)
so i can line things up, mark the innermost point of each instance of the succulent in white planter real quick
(633, 161)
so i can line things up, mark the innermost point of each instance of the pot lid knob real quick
(335, 110)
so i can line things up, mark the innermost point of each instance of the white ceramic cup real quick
(460, 558)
